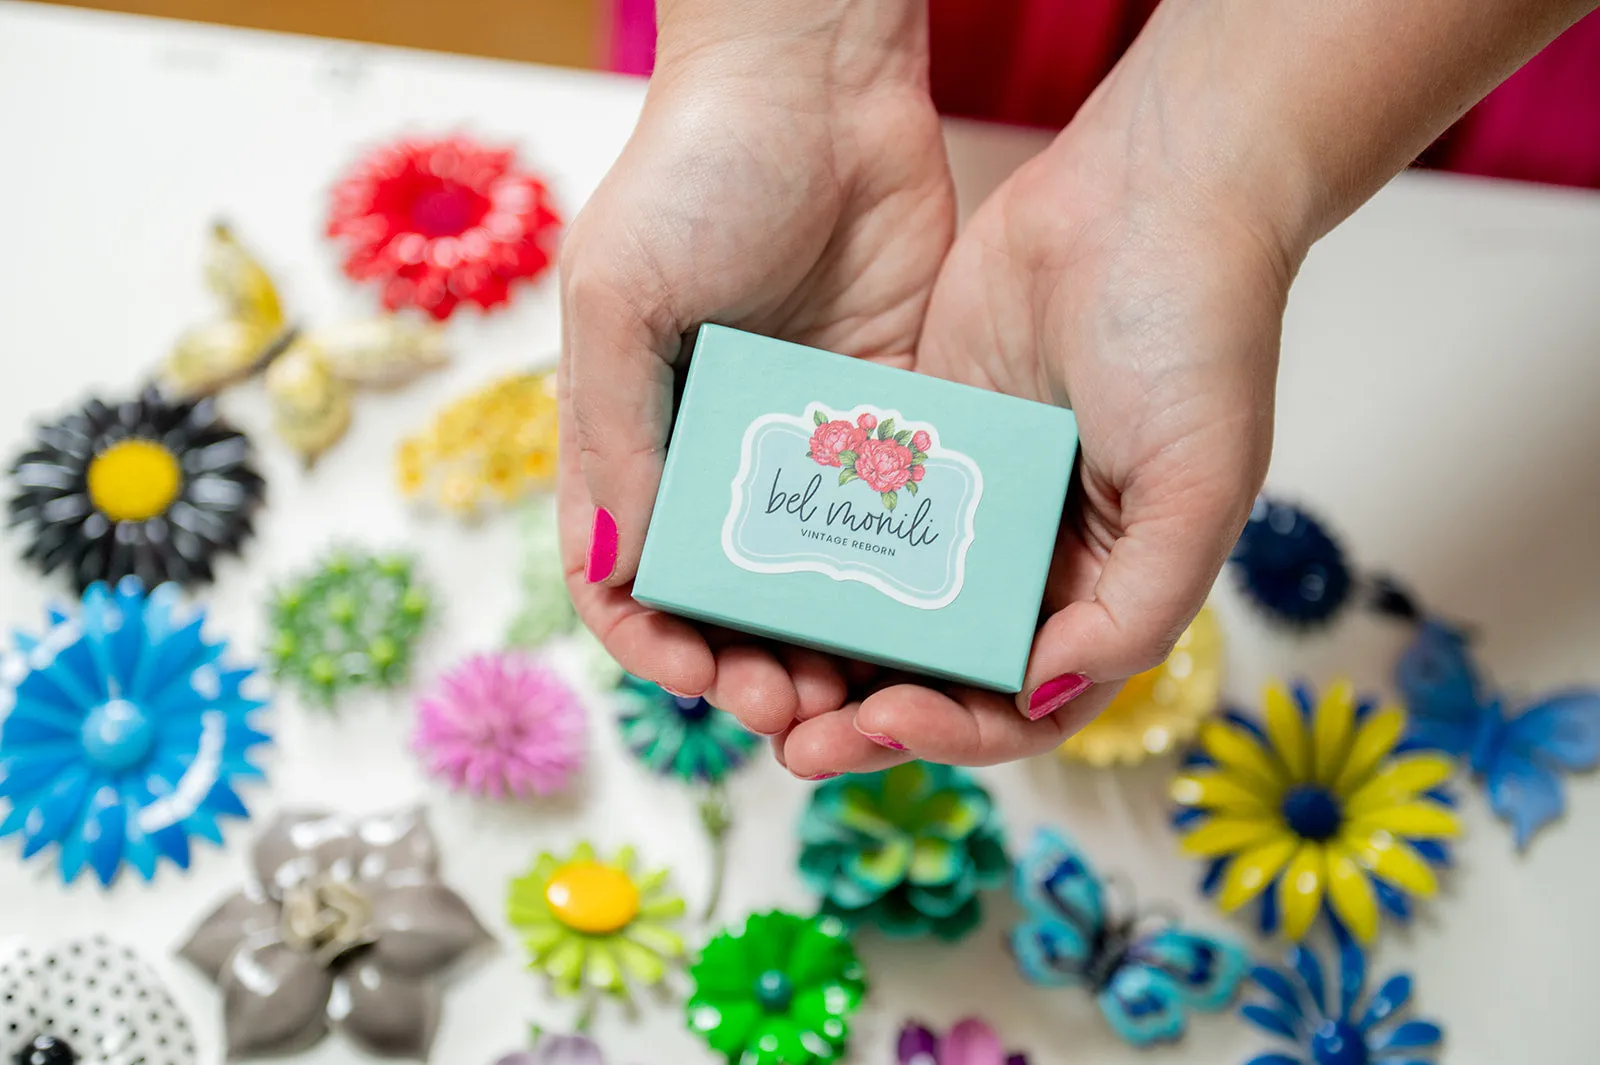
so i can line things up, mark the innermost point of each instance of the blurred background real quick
(567, 33)
(995, 61)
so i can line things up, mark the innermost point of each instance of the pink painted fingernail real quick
(602, 547)
(821, 776)
(1052, 695)
(885, 741)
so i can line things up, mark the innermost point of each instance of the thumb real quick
(619, 353)
(1153, 582)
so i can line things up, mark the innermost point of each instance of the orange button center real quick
(592, 898)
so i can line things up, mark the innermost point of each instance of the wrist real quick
(1295, 114)
(1175, 123)
(828, 45)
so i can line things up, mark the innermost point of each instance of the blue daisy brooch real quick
(125, 736)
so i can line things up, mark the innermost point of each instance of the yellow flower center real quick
(134, 480)
(593, 898)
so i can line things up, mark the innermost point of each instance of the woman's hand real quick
(788, 177)
(1103, 274)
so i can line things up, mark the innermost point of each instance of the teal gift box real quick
(858, 509)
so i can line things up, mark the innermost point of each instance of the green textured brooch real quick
(352, 621)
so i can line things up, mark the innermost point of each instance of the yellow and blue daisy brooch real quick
(1314, 812)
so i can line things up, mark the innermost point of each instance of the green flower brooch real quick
(907, 849)
(778, 991)
(353, 621)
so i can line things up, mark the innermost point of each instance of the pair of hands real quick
(815, 203)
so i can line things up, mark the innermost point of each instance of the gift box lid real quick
(852, 507)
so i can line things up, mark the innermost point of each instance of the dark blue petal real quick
(201, 823)
(105, 850)
(1269, 1020)
(1352, 974)
(1213, 876)
(55, 811)
(1250, 725)
(241, 766)
(32, 720)
(1306, 964)
(1274, 1059)
(1392, 899)
(1281, 988)
(1409, 1036)
(1433, 851)
(1430, 739)
(1184, 816)
(23, 774)
(225, 802)
(170, 662)
(127, 641)
(172, 843)
(1392, 996)
(1335, 925)
(241, 738)
(1267, 917)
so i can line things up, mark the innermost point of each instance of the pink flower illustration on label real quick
(834, 437)
(871, 451)
(884, 465)
(863, 495)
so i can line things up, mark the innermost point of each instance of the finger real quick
(972, 728)
(817, 680)
(777, 746)
(1151, 585)
(754, 687)
(830, 745)
(619, 347)
(645, 642)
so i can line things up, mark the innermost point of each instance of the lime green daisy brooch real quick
(907, 850)
(597, 926)
(778, 990)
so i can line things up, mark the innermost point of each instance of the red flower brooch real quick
(443, 222)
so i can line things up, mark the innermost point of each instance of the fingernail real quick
(675, 691)
(821, 776)
(1052, 695)
(602, 547)
(884, 741)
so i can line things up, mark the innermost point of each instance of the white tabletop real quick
(1441, 375)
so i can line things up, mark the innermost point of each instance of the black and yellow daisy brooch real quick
(150, 487)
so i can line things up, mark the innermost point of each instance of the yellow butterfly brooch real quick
(311, 375)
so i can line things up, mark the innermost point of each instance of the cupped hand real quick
(1110, 280)
(804, 195)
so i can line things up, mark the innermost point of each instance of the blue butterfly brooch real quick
(1519, 757)
(1145, 973)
